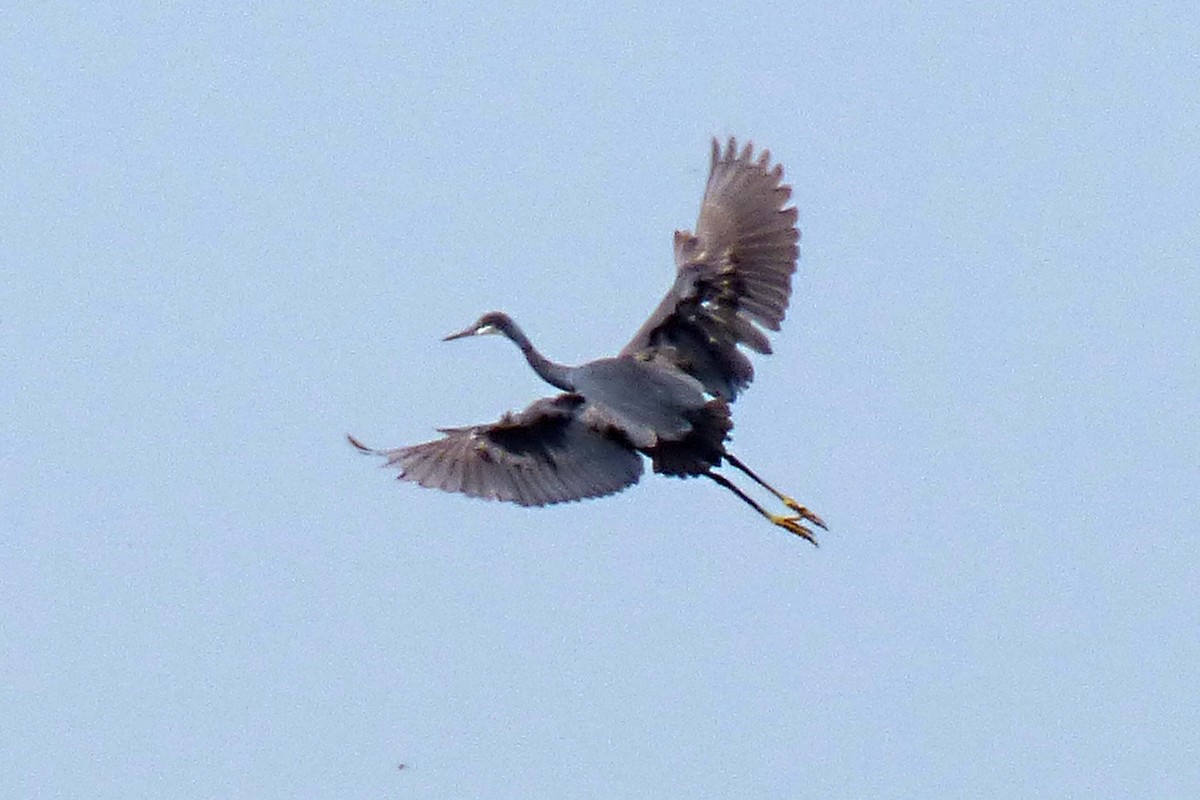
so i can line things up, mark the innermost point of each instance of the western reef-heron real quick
(666, 395)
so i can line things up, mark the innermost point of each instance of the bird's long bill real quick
(459, 335)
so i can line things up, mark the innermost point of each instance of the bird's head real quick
(491, 322)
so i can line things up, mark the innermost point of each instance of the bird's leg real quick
(801, 511)
(788, 523)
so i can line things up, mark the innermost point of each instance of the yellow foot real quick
(803, 513)
(792, 525)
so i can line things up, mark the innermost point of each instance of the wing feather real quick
(543, 455)
(734, 274)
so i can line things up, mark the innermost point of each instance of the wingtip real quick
(723, 153)
(732, 151)
(362, 448)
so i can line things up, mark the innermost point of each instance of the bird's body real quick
(648, 401)
(666, 395)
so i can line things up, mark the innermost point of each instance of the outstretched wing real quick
(542, 455)
(734, 275)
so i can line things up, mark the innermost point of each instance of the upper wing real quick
(734, 274)
(545, 454)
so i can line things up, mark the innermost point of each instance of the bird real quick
(666, 395)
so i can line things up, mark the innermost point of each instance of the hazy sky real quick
(230, 235)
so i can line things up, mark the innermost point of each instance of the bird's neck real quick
(552, 373)
(547, 370)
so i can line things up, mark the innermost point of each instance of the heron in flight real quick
(666, 395)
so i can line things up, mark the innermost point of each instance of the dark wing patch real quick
(702, 448)
(734, 275)
(545, 454)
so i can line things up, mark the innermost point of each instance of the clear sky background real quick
(231, 235)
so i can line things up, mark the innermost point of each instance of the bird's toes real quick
(792, 525)
(803, 512)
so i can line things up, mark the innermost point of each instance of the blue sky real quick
(231, 235)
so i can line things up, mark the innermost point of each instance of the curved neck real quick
(552, 373)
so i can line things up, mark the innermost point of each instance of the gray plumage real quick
(734, 275)
(666, 395)
(545, 454)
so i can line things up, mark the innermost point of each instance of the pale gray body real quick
(645, 400)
